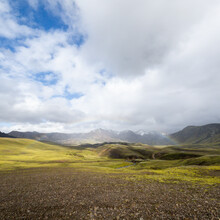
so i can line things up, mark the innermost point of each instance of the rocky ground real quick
(65, 193)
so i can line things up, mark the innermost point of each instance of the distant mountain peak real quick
(144, 132)
(141, 132)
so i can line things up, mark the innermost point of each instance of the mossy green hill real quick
(24, 153)
(162, 162)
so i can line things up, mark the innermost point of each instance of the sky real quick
(79, 65)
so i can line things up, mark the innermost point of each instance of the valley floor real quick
(68, 193)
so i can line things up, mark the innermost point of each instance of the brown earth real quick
(65, 193)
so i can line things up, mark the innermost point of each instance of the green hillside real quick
(164, 163)
(146, 152)
(128, 151)
(198, 134)
(22, 153)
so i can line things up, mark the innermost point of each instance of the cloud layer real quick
(116, 65)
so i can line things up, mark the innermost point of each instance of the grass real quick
(192, 174)
(24, 153)
(195, 164)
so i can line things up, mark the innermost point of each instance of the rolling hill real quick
(18, 152)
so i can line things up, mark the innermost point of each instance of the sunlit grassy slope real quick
(171, 163)
(22, 153)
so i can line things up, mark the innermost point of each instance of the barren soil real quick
(65, 193)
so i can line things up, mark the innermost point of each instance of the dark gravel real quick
(65, 193)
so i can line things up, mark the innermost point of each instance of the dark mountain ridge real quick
(5, 135)
(209, 133)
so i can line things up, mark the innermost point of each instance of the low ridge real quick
(5, 135)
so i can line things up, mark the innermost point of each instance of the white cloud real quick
(158, 62)
(34, 3)
(9, 27)
(129, 36)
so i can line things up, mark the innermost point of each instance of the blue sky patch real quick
(77, 40)
(46, 78)
(7, 44)
(40, 18)
(106, 74)
(71, 96)
(5, 124)
(68, 95)
(11, 44)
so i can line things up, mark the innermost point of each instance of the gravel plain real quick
(65, 193)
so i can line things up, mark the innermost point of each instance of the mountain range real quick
(97, 136)
(191, 134)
